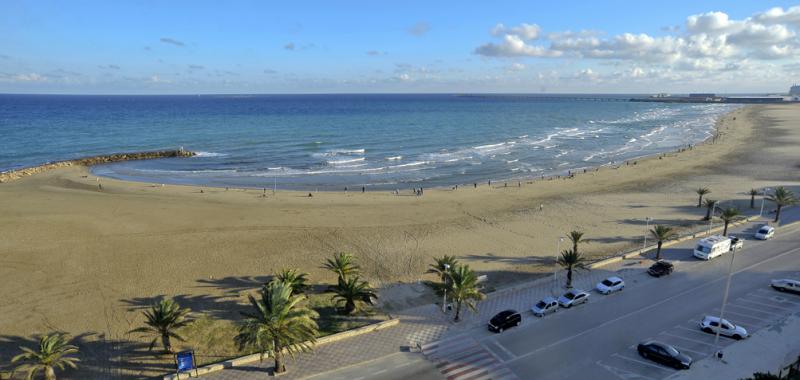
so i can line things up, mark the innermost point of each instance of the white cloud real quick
(778, 15)
(29, 77)
(524, 31)
(514, 46)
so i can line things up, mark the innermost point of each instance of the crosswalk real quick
(464, 358)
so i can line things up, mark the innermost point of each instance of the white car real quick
(765, 233)
(786, 285)
(546, 306)
(610, 285)
(573, 297)
(712, 324)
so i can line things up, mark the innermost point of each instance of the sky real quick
(410, 46)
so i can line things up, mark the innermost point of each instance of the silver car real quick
(786, 285)
(546, 306)
(610, 285)
(711, 325)
(573, 297)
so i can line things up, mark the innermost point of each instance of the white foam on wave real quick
(345, 161)
(395, 158)
(209, 154)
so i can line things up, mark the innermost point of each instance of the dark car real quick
(664, 354)
(660, 268)
(505, 320)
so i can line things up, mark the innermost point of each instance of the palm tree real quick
(162, 320)
(701, 192)
(53, 352)
(575, 236)
(781, 197)
(753, 193)
(661, 233)
(295, 280)
(728, 215)
(277, 323)
(571, 260)
(352, 292)
(441, 265)
(343, 264)
(464, 289)
(709, 203)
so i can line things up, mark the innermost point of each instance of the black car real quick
(505, 320)
(660, 268)
(664, 354)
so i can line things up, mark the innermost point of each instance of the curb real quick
(240, 361)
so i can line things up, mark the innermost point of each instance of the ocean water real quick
(328, 142)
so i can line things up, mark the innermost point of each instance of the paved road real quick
(597, 340)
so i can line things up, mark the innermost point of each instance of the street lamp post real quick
(646, 230)
(444, 297)
(558, 252)
(724, 301)
(711, 217)
(763, 196)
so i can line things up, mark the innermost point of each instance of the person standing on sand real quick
(475, 184)
(363, 189)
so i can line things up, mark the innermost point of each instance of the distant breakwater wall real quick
(12, 175)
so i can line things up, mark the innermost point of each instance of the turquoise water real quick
(332, 141)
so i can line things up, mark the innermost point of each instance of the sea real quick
(329, 142)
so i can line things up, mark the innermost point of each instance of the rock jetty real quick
(96, 160)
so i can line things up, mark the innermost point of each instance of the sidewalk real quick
(426, 324)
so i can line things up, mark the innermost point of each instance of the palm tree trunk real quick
(458, 311)
(708, 213)
(778, 213)
(280, 367)
(166, 342)
(658, 251)
(752, 201)
(349, 306)
(700, 201)
(569, 276)
(49, 373)
(725, 230)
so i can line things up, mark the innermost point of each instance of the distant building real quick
(794, 90)
(702, 95)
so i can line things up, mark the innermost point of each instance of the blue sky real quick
(168, 47)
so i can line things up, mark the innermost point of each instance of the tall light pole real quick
(444, 297)
(558, 252)
(646, 230)
(724, 300)
(711, 217)
(763, 196)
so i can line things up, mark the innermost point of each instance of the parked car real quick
(786, 285)
(546, 306)
(660, 268)
(505, 320)
(609, 285)
(711, 324)
(765, 233)
(664, 354)
(573, 297)
(736, 243)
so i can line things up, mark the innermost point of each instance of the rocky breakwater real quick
(96, 160)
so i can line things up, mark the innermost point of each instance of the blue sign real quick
(185, 361)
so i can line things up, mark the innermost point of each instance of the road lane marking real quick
(643, 362)
(497, 344)
(651, 306)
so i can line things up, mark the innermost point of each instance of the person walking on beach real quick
(363, 189)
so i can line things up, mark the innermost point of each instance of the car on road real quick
(786, 285)
(712, 247)
(505, 320)
(711, 325)
(610, 285)
(660, 268)
(546, 306)
(736, 243)
(573, 297)
(665, 354)
(765, 233)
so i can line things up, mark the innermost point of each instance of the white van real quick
(712, 247)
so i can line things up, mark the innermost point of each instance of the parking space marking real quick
(761, 303)
(684, 349)
(761, 322)
(622, 373)
(781, 298)
(753, 310)
(688, 339)
(642, 362)
(696, 331)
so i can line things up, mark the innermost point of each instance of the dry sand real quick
(78, 259)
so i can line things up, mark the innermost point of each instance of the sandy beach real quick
(80, 259)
